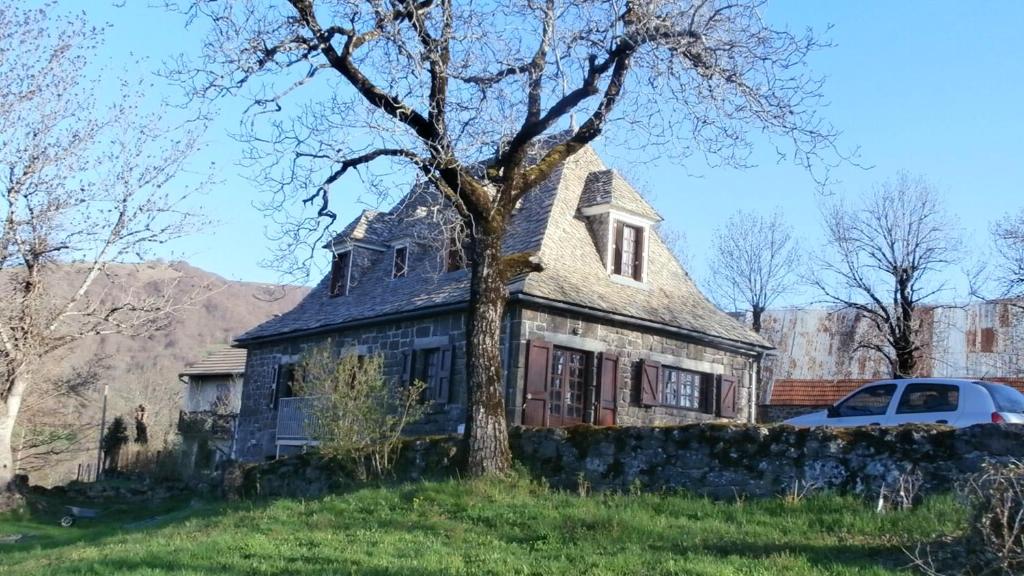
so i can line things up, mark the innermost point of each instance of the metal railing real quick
(297, 419)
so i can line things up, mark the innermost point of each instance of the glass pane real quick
(929, 398)
(873, 401)
(1006, 399)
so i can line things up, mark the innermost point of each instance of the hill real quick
(57, 432)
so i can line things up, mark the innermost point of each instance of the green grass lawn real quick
(483, 527)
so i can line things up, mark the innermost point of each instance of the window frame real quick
(419, 369)
(340, 283)
(616, 235)
(395, 273)
(703, 400)
(892, 395)
(915, 386)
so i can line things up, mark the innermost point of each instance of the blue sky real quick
(935, 88)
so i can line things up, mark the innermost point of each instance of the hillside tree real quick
(83, 183)
(754, 261)
(485, 101)
(883, 258)
(1008, 236)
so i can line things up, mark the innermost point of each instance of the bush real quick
(993, 544)
(357, 415)
(996, 537)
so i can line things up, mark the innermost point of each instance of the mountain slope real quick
(56, 433)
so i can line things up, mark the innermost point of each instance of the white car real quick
(958, 403)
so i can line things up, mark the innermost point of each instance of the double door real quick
(560, 388)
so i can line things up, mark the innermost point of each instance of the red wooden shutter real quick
(617, 266)
(609, 389)
(727, 397)
(538, 371)
(638, 255)
(650, 382)
(444, 376)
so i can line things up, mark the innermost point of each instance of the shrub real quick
(996, 535)
(114, 439)
(357, 416)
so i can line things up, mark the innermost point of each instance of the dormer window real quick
(341, 268)
(401, 262)
(629, 251)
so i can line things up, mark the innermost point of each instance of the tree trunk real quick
(8, 415)
(486, 426)
(755, 317)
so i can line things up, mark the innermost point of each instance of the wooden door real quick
(538, 371)
(567, 387)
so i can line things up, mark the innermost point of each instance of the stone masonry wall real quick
(722, 461)
(631, 345)
(773, 413)
(257, 420)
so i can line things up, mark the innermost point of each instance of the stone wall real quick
(630, 345)
(773, 413)
(718, 460)
(726, 461)
(257, 420)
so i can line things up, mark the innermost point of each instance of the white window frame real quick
(614, 217)
(394, 252)
(348, 274)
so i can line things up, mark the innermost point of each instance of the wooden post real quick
(103, 424)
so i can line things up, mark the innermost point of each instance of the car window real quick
(928, 397)
(871, 401)
(1005, 398)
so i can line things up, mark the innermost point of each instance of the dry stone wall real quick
(718, 460)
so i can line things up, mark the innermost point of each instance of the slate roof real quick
(371, 226)
(609, 187)
(548, 222)
(222, 361)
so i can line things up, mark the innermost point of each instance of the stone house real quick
(209, 412)
(612, 331)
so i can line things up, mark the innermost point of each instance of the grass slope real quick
(488, 527)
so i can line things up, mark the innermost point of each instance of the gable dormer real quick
(619, 221)
(355, 249)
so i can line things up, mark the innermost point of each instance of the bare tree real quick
(83, 184)
(754, 261)
(1008, 234)
(485, 101)
(881, 259)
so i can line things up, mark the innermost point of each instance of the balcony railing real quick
(297, 420)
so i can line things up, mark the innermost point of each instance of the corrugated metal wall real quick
(981, 340)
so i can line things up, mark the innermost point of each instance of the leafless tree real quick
(754, 260)
(83, 184)
(1008, 234)
(485, 101)
(881, 258)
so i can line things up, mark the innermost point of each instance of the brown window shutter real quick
(538, 372)
(407, 357)
(609, 389)
(727, 397)
(273, 389)
(650, 382)
(444, 376)
(617, 266)
(638, 255)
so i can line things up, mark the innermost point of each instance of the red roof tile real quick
(828, 392)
